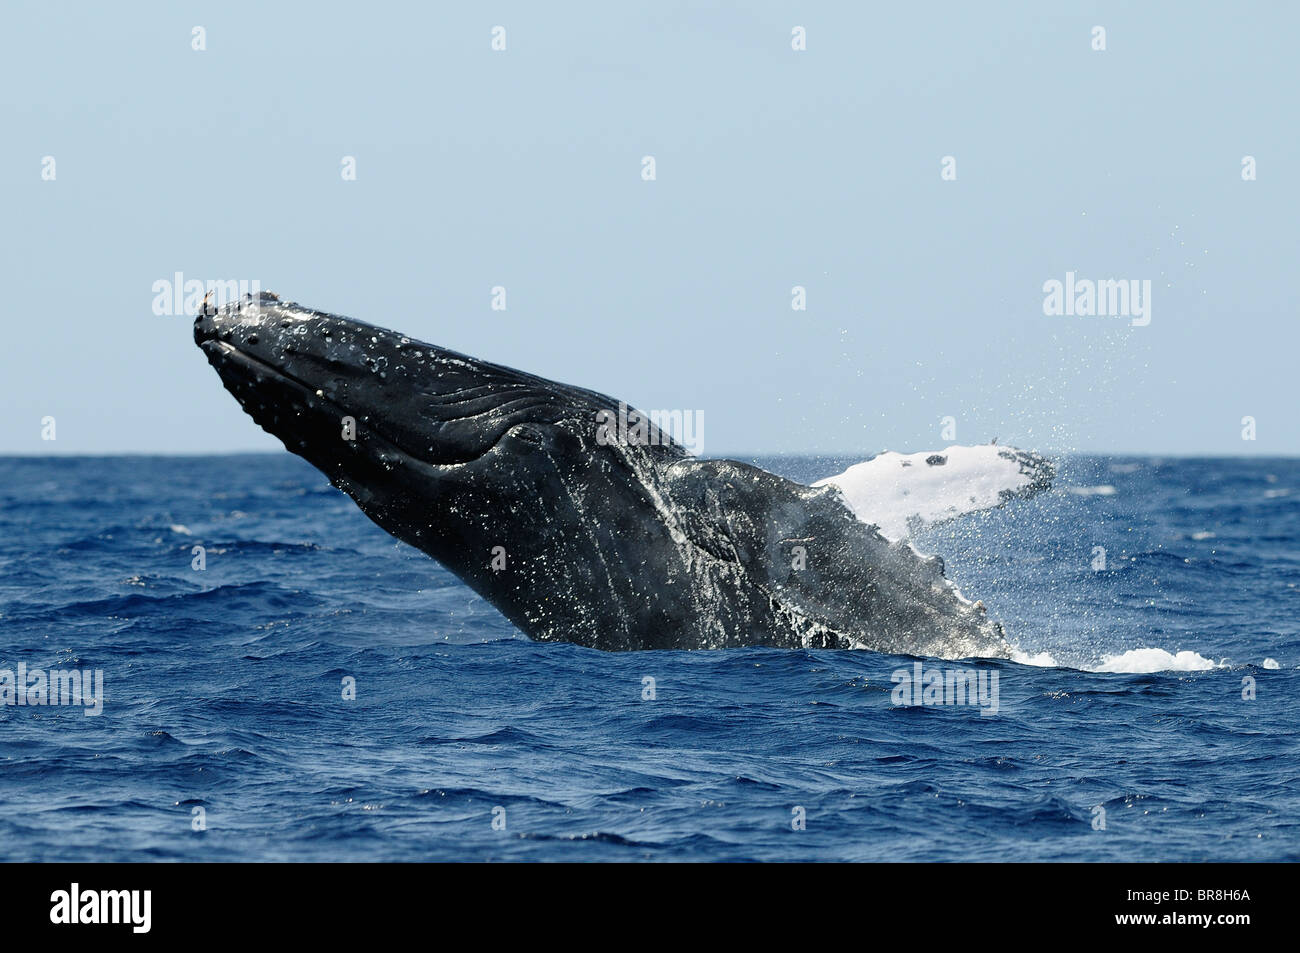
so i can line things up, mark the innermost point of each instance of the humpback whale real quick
(501, 477)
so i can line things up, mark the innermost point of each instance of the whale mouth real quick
(283, 404)
(300, 373)
(218, 350)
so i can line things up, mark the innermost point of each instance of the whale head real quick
(475, 463)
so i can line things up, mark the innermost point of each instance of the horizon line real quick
(728, 454)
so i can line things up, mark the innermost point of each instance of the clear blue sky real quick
(775, 168)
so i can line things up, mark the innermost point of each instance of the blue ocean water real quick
(223, 688)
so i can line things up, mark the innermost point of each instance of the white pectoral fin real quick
(899, 493)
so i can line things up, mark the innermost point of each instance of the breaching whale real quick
(502, 477)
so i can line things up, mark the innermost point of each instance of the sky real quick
(775, 168)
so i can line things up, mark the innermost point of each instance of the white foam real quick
(1138, 661)
(901, 492)
(1135, 662)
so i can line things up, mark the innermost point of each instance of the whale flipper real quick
(903, 493)
(816, 570)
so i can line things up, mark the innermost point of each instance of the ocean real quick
(318, 691)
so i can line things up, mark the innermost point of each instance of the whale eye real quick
(527, 434)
